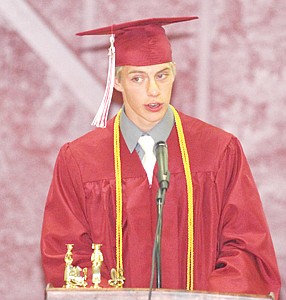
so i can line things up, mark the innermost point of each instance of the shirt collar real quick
(160, 132)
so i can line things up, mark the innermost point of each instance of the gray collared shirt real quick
(131, 132)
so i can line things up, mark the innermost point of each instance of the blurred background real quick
(231, 72)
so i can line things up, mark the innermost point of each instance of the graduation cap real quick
(137, 43)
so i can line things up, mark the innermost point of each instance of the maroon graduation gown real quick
(233, 250)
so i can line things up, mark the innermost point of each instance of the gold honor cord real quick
(118, 185)
(187, 168)
(186, 163)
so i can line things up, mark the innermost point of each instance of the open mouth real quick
(153, 105)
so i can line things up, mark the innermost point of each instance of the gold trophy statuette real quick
(72, 274)
(96, 260)
(117, 278)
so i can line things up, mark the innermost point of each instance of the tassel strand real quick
(100, 118)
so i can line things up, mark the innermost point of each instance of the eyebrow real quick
(141, 72)
(132, 72)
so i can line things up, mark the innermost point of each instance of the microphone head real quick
(159, 144)
(161, 151)
(163, 175)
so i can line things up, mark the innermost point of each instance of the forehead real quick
(146, 69)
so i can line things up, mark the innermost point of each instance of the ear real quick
(117, 85)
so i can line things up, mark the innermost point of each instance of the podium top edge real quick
(144, 291)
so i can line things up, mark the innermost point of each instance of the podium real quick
(141, 294)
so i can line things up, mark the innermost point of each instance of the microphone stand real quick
(163, 186)
(156, 256)
(160, 203)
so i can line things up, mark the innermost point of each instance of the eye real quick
(137, 79)
(162, 75)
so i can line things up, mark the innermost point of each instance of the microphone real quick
(163, 174)
(163, 177)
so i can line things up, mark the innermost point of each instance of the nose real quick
(153, 88)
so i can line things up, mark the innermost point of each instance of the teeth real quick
(153, 105)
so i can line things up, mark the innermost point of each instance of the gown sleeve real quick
(65, 221)
(246, 261)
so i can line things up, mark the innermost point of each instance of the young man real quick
(214, 234)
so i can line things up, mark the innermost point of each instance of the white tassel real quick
(100, 118)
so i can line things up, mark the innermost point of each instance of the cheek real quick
(131, 96)
(135, 92)
(167, 88)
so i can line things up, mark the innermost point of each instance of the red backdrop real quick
(231, 73)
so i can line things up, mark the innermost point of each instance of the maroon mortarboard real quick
(137, 43)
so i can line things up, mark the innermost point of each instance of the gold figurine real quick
(96, 260)
(68, 260)
(117, 278)
(72, 275)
